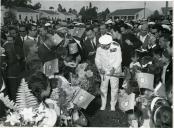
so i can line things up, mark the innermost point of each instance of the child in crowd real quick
(135, 61)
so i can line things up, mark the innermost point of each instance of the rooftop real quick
(126, 11)
(24, 9)
(49, 11)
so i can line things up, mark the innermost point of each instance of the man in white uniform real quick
(108, 61)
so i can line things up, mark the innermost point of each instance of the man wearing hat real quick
(108, 61)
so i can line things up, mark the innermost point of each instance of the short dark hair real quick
(29, 27)
(38, 82)
(90, 28)
(116, 28)
(158, 27)
(12, 28)
(167, 37)
(22, 25)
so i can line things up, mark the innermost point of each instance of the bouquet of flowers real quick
(64, 94)
(26, 111)
(86, 77)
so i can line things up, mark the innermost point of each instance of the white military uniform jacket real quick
(109, 59)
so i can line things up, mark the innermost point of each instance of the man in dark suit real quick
(90, 45)
(13, 69)
(2, 85)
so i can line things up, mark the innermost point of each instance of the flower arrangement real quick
(69, 112)
(86, 77)
(26, 111)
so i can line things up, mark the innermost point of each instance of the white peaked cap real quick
(151, 23)
(129, 25)
(109, 22)
(105, 39)
(47, 24)
(166, 27)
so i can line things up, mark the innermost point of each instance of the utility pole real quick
(166, 12)
(144, 10)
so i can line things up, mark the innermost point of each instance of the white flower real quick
(13, 118)
(28, 114)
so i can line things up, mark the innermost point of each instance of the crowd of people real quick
(118, 49)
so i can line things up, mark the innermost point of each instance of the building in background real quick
(130, 14)
(25, 14)
(49, 14)
(64, 16)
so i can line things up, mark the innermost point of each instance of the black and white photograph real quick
(86, 63)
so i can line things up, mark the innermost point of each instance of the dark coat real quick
(169, 72)
(14, 67)
(88, 47)
(127, 50)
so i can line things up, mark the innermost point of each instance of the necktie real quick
(93, 44)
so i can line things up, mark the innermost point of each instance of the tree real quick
(155, 16)
(90, 5)
(15, 3)
(37, 6)
(107, 11)
(59, 9)
(64, 10)
(88, 13)
(74, 11)
(51, 7)
(82, 11)
(70, 10)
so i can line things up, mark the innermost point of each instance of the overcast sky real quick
(102, 5)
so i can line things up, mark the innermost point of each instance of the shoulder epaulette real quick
(115, 43)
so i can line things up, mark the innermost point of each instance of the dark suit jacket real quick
(88, 47)
(14, 64)
(169, 72)
(18, 44)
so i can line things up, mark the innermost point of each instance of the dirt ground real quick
(106, 118)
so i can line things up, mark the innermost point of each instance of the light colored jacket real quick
(109, 59)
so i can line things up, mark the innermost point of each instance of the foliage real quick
(51, 8)
(15, 3)
(35, 6)
(155, 16)
(59, 9)
(103, 15)
(25, 99)
(7, 102)
(88, 13)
